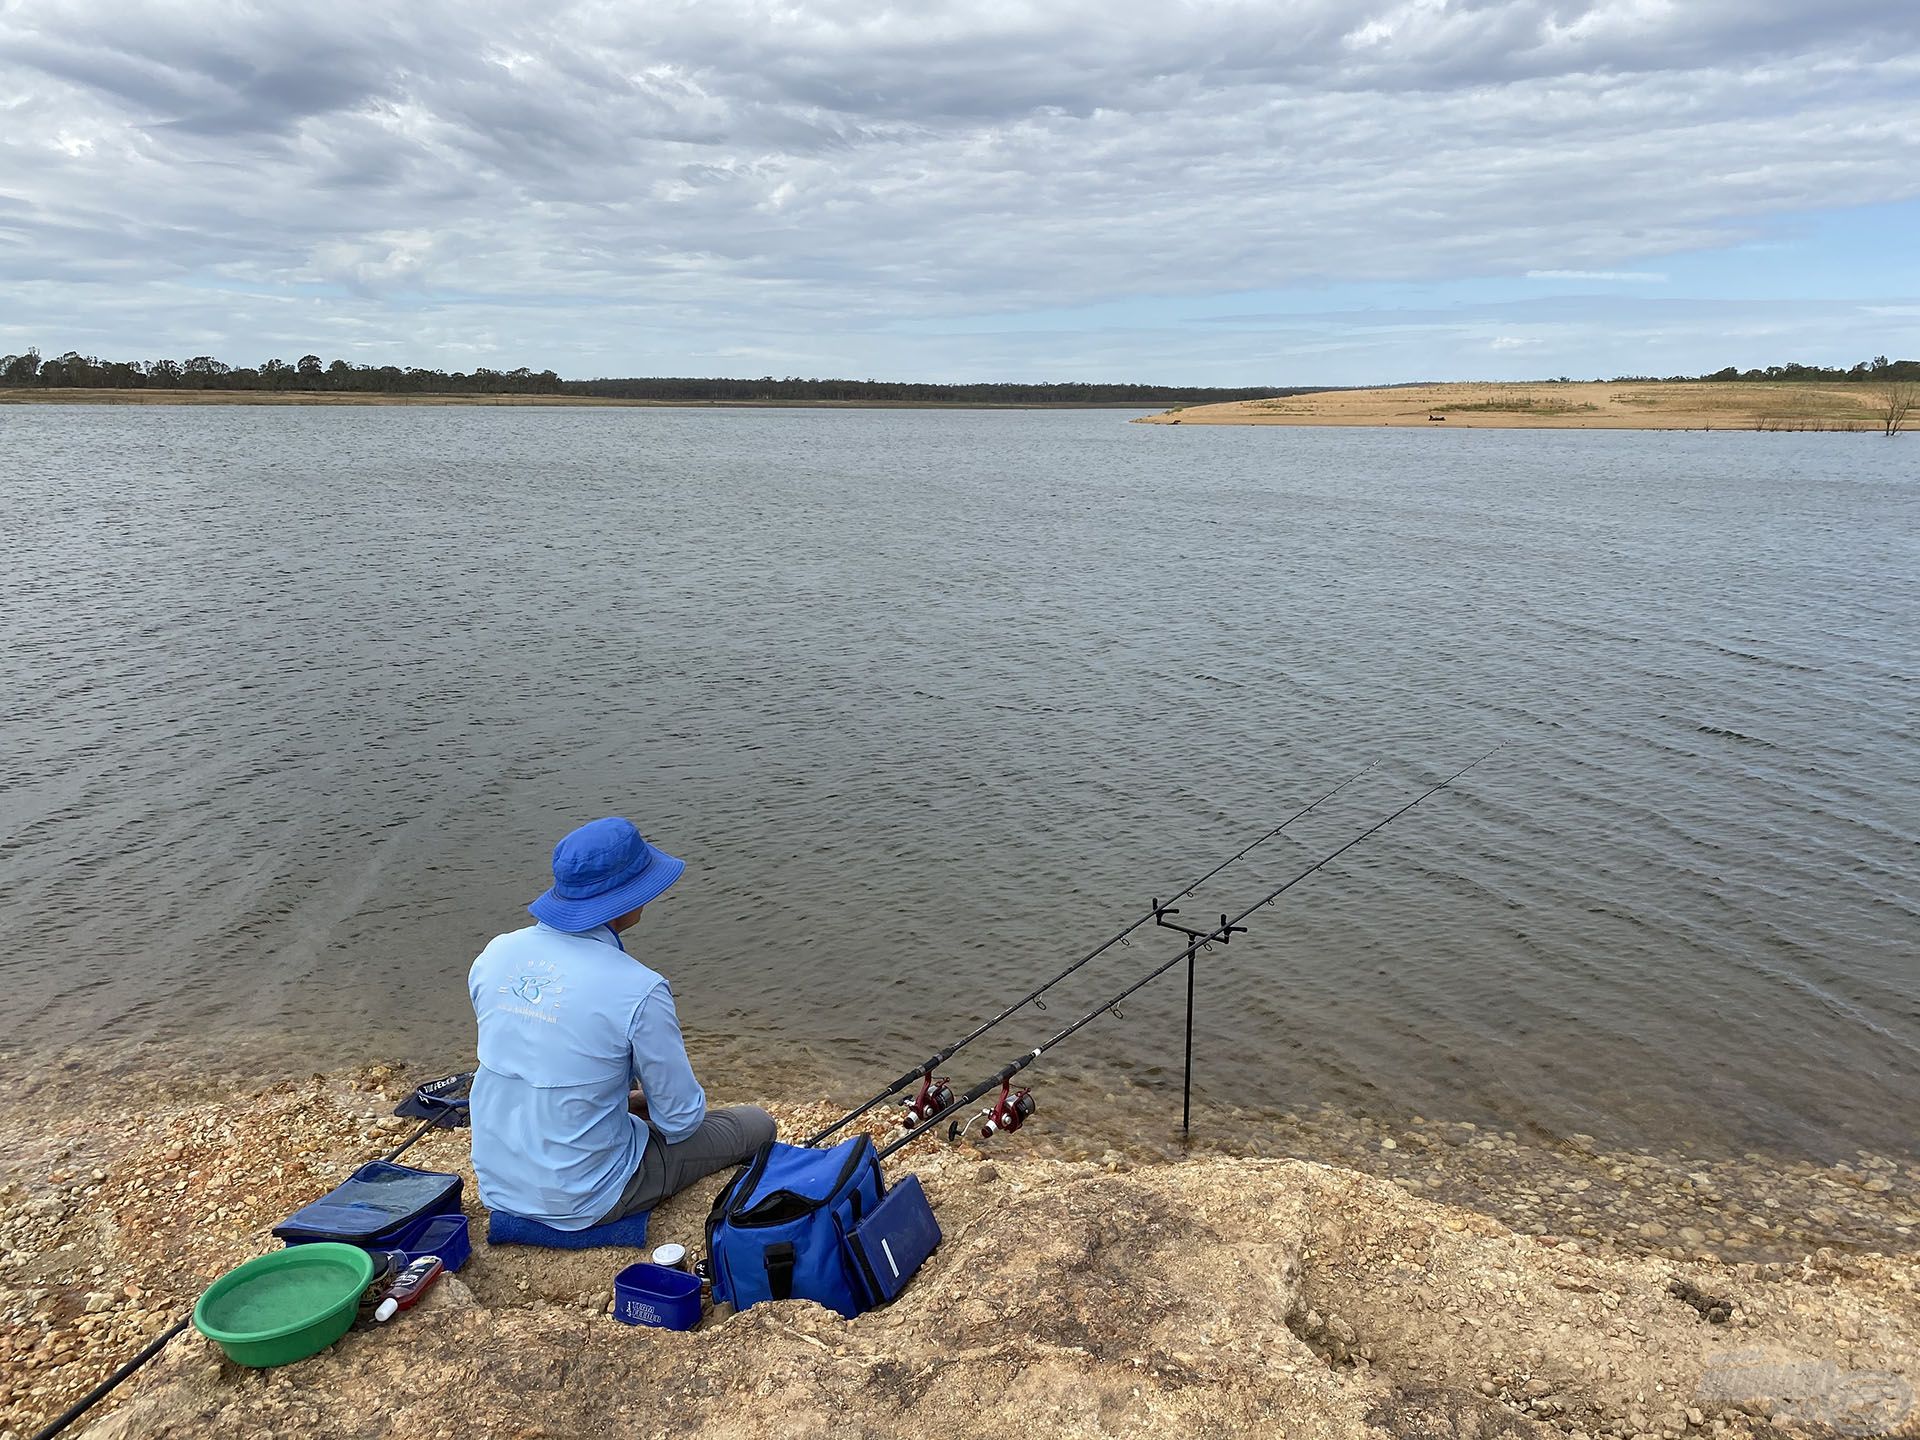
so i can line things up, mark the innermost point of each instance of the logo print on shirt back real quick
(528, 987)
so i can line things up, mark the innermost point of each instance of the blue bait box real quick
(444, 1235)
(648, 1294)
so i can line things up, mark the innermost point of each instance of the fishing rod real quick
(1013, 1107)
(934, 1092)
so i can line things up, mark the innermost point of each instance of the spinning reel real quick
(935, 1095)
(1008, 1113)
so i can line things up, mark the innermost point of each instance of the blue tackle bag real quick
(820, 1225)
(373, 1207)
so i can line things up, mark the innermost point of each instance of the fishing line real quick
(924, 1072)
(1199, 939)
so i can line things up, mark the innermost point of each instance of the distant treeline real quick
(1878, 368)
(309, 372)
(203, 372)
(796, 390)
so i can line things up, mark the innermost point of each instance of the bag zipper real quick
(809, 1206)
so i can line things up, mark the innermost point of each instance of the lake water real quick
(296, 701)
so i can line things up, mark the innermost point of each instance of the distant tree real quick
(1898, 398)
(21, 369)
(309, 369)
(70, 369)
(202, 371)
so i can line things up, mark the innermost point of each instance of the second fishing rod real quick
(928, 1101)
(1006, 1114)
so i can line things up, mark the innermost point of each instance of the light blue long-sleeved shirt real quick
(567, 1023)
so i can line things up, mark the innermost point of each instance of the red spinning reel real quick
(1008, 1113)
(935, 1095)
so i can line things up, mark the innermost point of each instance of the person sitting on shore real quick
(568, 1022)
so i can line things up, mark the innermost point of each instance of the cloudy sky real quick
(1293, 191)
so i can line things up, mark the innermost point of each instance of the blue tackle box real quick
(374, 1207)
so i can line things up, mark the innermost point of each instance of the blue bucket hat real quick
(600, 872)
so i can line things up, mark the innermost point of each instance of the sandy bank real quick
(1109, 1296)
(1704, 405)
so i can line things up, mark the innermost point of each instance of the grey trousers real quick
(725, 1138)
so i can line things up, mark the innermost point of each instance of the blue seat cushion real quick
(505, 1229)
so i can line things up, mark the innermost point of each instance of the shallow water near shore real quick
(296, 702)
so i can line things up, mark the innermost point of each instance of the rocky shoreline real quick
(1436, 1279)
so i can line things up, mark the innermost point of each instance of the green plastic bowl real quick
(285, 1306)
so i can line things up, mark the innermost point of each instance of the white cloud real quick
(616, 189)
(1624, 277)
